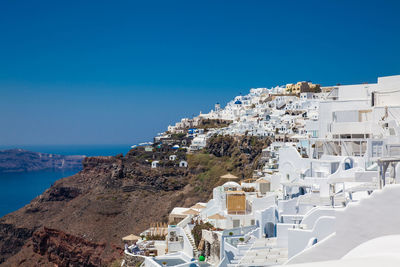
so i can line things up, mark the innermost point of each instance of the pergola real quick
(383, 164)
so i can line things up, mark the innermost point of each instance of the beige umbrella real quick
(263, 181)
(198, 207)
(229, 176)
(131, 237)
(216, 217)
(191, 212)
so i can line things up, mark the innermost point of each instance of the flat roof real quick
(179, 211)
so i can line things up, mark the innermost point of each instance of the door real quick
(269, 230)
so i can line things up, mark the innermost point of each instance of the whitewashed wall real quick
(359, 222)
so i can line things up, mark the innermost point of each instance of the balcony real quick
(356, 128)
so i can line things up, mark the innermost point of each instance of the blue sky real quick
(118, 72)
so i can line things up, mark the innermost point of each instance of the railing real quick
(254, 233)
(246, 233)
(132, 260)
(229, 246)
(149, 262)
(252, 245)
(187, 264)
(184, 222)
(239, 230)
(224, 262)
(187, 246)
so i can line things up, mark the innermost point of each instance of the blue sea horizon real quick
(18, 189)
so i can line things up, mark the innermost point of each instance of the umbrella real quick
(261, 180)
(191, 212)
(131, 237)
(216, 217)
(198, 206)
(229, 176)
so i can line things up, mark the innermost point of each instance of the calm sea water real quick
(18, 189)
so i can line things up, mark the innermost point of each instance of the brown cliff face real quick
(110, 198)
(66, 250)
(79, 221)
(12, 239)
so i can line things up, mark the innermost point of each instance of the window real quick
(377, 148)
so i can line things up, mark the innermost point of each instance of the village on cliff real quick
(327, 193)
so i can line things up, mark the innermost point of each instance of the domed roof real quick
(238, 102)
(231, 184)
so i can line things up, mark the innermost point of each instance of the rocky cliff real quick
(19, 160)
(80, 220)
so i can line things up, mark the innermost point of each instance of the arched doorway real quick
(348, 163)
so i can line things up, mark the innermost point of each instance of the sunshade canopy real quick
(131, 237)
(229, 176)
(198, 206)
(191, 212)
(217, 217)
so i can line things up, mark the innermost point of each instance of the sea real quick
(18, 189)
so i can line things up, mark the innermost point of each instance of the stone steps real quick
(191, 240)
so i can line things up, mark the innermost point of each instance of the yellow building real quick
(302, 87)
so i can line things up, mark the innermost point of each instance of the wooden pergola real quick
(384, 164)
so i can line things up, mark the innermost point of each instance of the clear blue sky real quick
(97, 72)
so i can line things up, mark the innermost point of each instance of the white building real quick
(329, 188)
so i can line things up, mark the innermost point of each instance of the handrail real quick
(134, 255)
(185, 221)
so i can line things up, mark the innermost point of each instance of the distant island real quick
(19, 160)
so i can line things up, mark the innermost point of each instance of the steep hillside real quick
(112, 197)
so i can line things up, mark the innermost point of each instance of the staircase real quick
(262, 252)
(191, 240)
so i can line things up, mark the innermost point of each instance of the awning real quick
(191, 212)
(198, 206)
(228, 176)
(216, 217)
